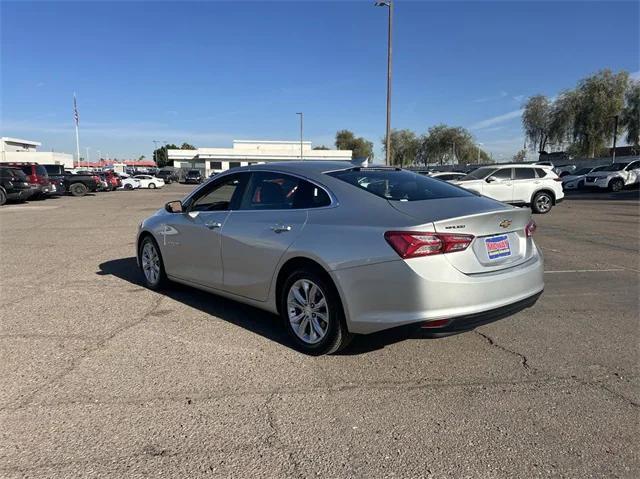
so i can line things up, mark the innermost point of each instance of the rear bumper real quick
(396, 293)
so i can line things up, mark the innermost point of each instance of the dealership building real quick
(249, 152)
(19, 151)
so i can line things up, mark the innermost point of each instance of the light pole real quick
(301, 131)
(389, 5)
(479, 145)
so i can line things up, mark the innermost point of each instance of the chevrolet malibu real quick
(337, 250)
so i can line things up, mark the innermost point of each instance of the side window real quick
(502, 174)
(309, 195)
(633, 166)
(270, 191)
(524, 174)
(541, 172)
(219, 195)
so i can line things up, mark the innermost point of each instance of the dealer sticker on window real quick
(498, 246)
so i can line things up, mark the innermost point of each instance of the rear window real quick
(541, 172)
(54, 169)
(399, 185)
(523, 173)
(41, 171)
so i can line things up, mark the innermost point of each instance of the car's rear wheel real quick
(78, 189)
(580, 185)
(311, 309)
(128, 186)
(3, 197)
(151, 264)
(542, 203)
(152, 186)
(616, 185)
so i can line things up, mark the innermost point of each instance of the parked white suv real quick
(526, 185)
(615, 176)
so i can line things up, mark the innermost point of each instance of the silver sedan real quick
(338, 250)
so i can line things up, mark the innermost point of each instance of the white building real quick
(249, 152)
(17, 150)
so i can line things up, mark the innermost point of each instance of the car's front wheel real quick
(616, 185)
(312, 311)
(151, 264)
(78, 189)
(542, 203)
(152, 186)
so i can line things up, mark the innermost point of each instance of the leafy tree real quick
(404, 147)
(520, 156)
(321, 147)
(445, 144)
(346, 140)
(599, 98)
(536, 119)
(162, 157)
(630, 118)
(142, 157)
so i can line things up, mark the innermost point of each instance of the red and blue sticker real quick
(498, 247)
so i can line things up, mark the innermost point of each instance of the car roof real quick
(304, 167)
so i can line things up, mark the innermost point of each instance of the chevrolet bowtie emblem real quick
(505, 223)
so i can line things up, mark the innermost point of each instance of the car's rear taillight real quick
(557, 179)
(530, 228)
(96, 179)
(412, 244)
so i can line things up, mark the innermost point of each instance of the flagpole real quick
(75, 108)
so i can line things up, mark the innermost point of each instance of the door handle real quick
(214, 225)
(281, 228)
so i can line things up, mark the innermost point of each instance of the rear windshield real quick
(194, 172)
(399, 185)
(615, 167)
(41, 171)
(54, 169)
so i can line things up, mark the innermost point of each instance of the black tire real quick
(3, 197)
(162, 280)
(616, 185)
(78, 189)
(337, 336)
(128, 186)
(152, 186)
(542, 203)
(581, 185)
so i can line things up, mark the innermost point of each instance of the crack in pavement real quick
(523, 359)
(79, 359)
(274, 440)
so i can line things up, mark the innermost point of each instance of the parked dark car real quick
(168, 176)
(37, 177)
(193, 176)
(13, 185)
(78, 184)
(56, 177)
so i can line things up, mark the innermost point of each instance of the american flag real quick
(75, 110)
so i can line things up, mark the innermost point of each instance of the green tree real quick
(446, 144)
(361, 148)
(321, 147)
(520, 156)
(161, 155)
(142, 157)
(536, 119)
(599, 98)
(187, 146)
(404, 147)
(630, 118)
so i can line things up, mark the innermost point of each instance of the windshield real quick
(614, 167)
(399, 185)
(479, 174)
(193, 172)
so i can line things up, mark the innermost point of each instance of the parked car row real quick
(27, 181)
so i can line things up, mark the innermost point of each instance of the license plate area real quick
(497, 247)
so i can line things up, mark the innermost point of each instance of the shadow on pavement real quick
(252, 319)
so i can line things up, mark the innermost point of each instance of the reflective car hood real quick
(440, 209)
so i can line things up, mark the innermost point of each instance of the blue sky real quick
(211, 72)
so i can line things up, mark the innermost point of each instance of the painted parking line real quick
(585, 271)
(28, 208)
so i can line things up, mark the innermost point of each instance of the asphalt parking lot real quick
(102, 377)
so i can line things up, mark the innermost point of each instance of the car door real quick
(255, 237)
(524, 184)
(632, 173)
(499, 185)
(191, 239)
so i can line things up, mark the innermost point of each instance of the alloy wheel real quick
(543, 203)
(150, 263)
(308, 311)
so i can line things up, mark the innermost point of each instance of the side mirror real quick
(174, 206)
(491, 179)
